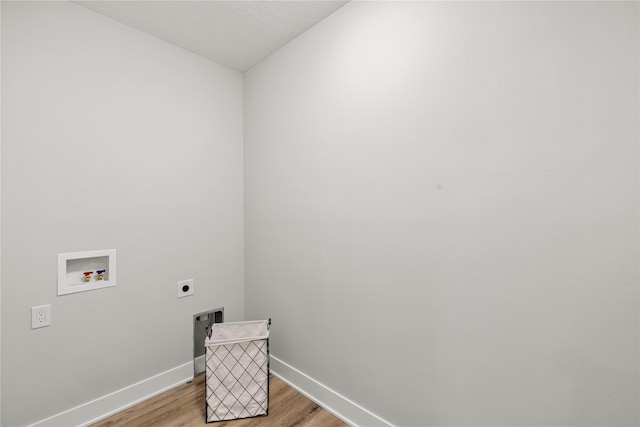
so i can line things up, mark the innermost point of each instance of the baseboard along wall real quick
(119, 400)
(342, 407)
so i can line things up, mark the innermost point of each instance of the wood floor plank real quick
(184, 406)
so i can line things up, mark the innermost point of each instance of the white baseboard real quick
(102, 407)
(345, 409)
(120, 400)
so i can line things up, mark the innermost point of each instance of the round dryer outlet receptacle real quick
(185, 288)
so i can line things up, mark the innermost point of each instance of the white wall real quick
(111, 139)
(441, 205)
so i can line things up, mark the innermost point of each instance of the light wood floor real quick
(184, 406)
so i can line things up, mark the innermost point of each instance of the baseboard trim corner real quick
(342, 407)
(119, 400)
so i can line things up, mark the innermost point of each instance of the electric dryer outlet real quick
(185, 288)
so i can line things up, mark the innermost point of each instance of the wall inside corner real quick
(441, 205)
(111, 139)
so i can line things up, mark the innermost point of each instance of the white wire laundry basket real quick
(237, 370)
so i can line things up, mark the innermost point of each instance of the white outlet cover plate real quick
(181, 285)
(40, 316)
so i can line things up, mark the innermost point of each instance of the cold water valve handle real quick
(100, 274)
(87, 276)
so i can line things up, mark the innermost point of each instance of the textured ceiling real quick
(236, 33)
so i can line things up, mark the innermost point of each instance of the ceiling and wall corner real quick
(495, 251)
(172, 122)
(238, 34)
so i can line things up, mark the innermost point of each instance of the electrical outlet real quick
(40, 316)
(185, 288)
